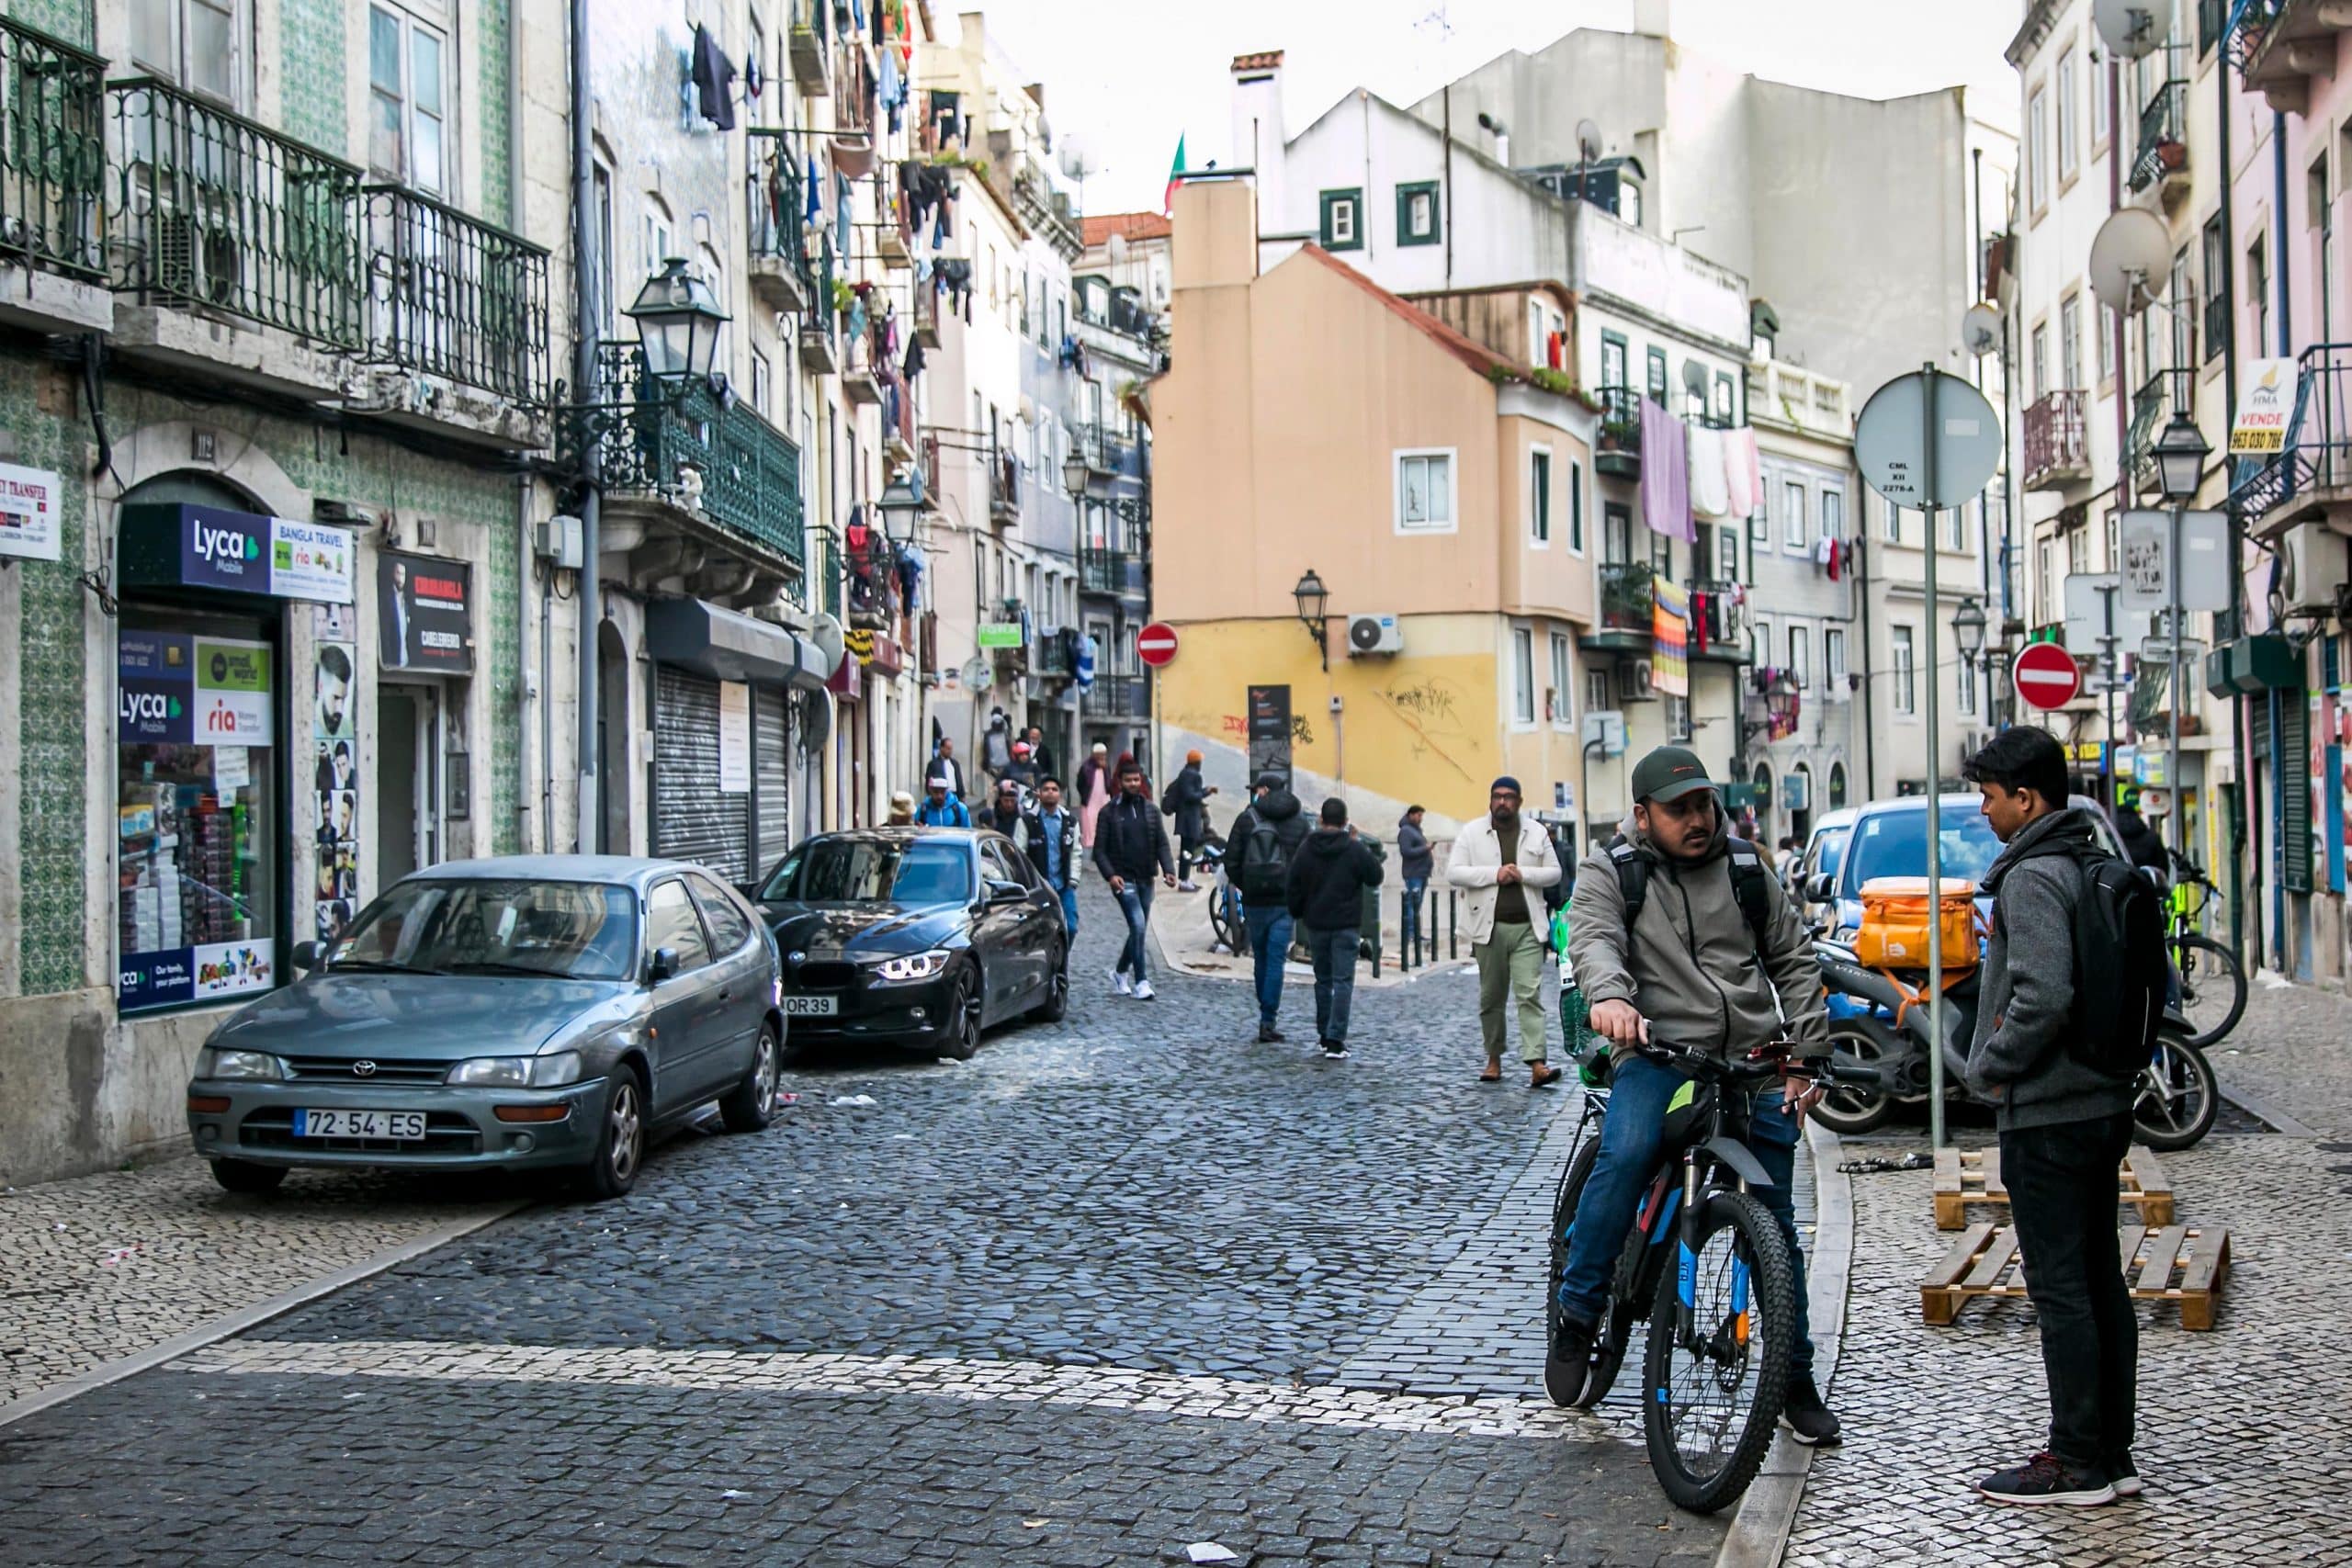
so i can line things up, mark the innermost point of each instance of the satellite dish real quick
(830, 641)
(1079, 160)
(2128, 27)
(1980, 330)
(2130, 259)
(1115, 247)
(1588, 141)
(1694, 379)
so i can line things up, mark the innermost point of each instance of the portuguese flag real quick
(1168, 198)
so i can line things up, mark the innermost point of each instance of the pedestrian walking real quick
(1265, 840)
(1187, 800)
(1328, 877)
(940, 809)
(1497, 858)
(903, 810)
(2062, 1074)
(1095, 782)
(1004, 814)
(1130, 847)
(1414, 861)
(943, 765)
(1053, 847)
(1039, 752)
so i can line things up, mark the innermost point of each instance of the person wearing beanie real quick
(903, 810)
(1187, 800)
(1499, 859)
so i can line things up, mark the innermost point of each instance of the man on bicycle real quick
(1714, 954)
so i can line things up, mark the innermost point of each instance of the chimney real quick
(1653, 19)
(1257, 130)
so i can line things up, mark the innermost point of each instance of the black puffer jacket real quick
(1328, 878)
(1278, 809)
(1130, 840)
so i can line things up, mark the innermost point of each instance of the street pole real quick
(2107, 670)
(1931, 432)
(2172, 640)
(587, 313)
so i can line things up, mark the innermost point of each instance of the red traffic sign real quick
(1155, 644)
(2046, 675)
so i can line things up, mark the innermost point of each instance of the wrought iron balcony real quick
(1050, 656)
(52, 160)
(1628, 608)
(821, 347)
(2314, 465)
(2165, 393)
(2164, 128)
(451, 296)
(2057, 442)
(1109, 570)
(1117, 696)
(782, 273)
(700, 454)
(211, 208)
(1618, 452)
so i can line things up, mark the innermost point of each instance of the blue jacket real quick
(949, 813)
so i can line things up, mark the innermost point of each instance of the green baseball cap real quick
(1669, 772)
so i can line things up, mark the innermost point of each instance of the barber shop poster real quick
(334, 739)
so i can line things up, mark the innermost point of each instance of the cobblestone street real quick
(1112, 1288)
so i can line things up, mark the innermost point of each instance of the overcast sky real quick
(1129, 75)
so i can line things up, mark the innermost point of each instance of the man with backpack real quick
(1258, 855)
(1678, 930)
(1505, 860)
(1186, 798)
(1328, 878)
(2070, 996)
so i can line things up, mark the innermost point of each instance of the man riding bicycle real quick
(1678, 927)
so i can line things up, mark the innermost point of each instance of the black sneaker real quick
(1804, 1415)
(1333, 1051)
(1568, 1361)
(1268, 1035)
(2124, 1476)
(2042, 1479)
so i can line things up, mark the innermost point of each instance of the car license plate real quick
(811, 1007)
(406, 1126)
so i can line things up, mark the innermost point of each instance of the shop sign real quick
(232, 705)
(175, 975)
(998, 633)
(28, 513)
(181, 690)
(241, 552)
(425, 614)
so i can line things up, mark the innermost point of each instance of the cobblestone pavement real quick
(103, 1267)
(1113, 1287)
(2243, 1440)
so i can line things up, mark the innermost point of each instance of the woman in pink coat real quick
(1094, 790)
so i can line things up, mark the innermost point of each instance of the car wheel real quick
(960, 1034)
(751, 1104)
(1055, 1007)
(243, 1176)
(620, 1146)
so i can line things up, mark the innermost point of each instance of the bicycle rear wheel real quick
(1709, 1406)
(2213, 987)
(2178, 1098)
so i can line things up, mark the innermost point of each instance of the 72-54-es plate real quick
(406, 1126)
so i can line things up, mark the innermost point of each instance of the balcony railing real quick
(53, 161)
(726, 462)
(776, 206)
(1050, 655)
(2317, 455)
(1628, 607)
(211, 208)
(2164, 128)
(451, 296)
(2056, 440)
(808, 39)
(1718, 622)
(1117, 696)
(1619, 450)
(2165, 393)
(1106, 570)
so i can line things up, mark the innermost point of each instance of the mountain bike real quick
(2210, 973)
(1723, 1319)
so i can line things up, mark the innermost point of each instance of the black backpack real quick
(1265, 863)
(2121, 968)
(1751, 884)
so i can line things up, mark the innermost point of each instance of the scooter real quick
(1891, 1031)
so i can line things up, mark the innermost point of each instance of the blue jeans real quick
(1416, 889)
(1269, 949)
(1629, 1155)
(1069, 910)
(1334, 953)
(1135, 904)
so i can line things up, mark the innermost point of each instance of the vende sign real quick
(1155, 644)
(2046, 675)
(2266, 403)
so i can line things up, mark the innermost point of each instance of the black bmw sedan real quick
(920, 937)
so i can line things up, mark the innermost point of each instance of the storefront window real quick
(199, 810)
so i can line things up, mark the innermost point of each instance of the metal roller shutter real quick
(692, 820)
(2294, 742)
(771, 774)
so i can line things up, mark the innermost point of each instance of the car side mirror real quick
(662, 965)
(309, 954)
(1005, 892)
(1816, 887)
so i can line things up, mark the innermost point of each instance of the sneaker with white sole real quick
(1333, 1051)
(2124, 1476)
(1121, 984)
(1144, 992)
(2042, 1480)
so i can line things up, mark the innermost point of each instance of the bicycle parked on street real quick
(1723, 1318)
(2212, 983)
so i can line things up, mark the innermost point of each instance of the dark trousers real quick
(1270, 930)
(2062, 1187)
(1334, 953)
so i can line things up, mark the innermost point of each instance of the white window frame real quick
(1793, 524)
(2070, 148)
(1760, 522)
(172, 64)
(412, 27)
(1903, 664)
(2093, 90)
(1833, 664)
(1539, 497)
(2070, 342)
(1522, 675)
(1801, 655)
(1678, 717)
(1759, 630)
(1564, 693)
(2037, 152)
(1833, 512)
(1596, 690)
(1452, 523)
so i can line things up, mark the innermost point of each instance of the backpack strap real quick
(1633, 878)
(1751, 884)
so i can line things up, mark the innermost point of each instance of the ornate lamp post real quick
(1313, 598)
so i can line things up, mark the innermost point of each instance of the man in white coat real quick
(1503, 858)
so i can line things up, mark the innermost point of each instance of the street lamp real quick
(2181, 452)
(1312, 597)
(901, 504)
(1968, 628)
(1074, 475)
(677, 319)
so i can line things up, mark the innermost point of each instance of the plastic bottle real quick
(1576, 1026)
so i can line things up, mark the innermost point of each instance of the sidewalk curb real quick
(232, 1324)
(2262, 1110)
(1759, 1532)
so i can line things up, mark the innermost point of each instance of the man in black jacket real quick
(1327, 882)
(1258, 854)
(1130, 845)
(1414, 861)
(2139, 840)
(1188, 802)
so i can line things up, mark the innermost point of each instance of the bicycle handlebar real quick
(1768, 1062)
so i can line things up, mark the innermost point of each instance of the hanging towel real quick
(1824, 550)
(1710, 491)
(1836, 559)
(1666, 475)
(816, 208)
(1740, 470)
(714, 78)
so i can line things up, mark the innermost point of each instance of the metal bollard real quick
(1452, 925)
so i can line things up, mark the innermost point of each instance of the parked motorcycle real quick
(2177, 1095)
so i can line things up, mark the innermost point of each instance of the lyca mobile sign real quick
(243, 552)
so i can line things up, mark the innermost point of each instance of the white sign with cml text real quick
(28, 502)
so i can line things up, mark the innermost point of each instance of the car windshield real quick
(874, 871)
(576, 930)
(1829, 849)
(1895, 843)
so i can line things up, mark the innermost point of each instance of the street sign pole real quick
(2108, 669)
(1931, 433)
(2179, 837)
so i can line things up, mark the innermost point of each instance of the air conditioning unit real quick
(194, 260)
(2313, 565)
(1374, 634)
(1636, 682)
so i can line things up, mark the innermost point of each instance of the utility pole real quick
(588, 311)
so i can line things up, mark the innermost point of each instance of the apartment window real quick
(1539, 496)
(2070, 341)
(1801, 657)
(1760, 522)
(2045, 580)
(1726, 398)
(1833, 513)
(1612, 360)
(1833, 664)
(2078, 548)
(1955, 526)
(1596, 691)
(1657, 376)
(2096, 91)
(2257, 288)
(1522, 666)
(760, 386)
(200, 44)
(1727, 554)
(1576, 506)
(1678, 717)
(1563, 694)
(1906, 696)
(1616, 533)
(1425, 492)
(1662, 556)
(1894, 522)
(2037, 149)
(2041, 358)
(1343, 219)
(2069, 152)
(605, 309)
(407, 112)
(2103, 334)
(1764, 648)
(2216, 257)
(1417, 219)
(1793, 517)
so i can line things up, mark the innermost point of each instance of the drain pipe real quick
(538, 682)
(586, 311)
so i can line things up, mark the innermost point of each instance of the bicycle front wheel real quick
(1564, 1217)
(2213, 987)
(2178, 1099)
(1711, 1394)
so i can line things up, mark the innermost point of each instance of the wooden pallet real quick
(1984, 1263)
(1974, 1175)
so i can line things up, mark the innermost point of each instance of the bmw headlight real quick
(214, 1062)
(913, 966)
(551, 1071)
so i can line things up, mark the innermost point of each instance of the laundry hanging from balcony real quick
(1666, 475)
(1710, 484)
(1743, 471)
(714, 79)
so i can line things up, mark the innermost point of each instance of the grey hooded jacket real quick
(2026, 992)
(1691, 966)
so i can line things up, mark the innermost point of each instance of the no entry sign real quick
(2046, 675)
(1155, 644)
